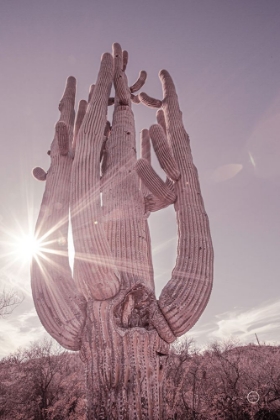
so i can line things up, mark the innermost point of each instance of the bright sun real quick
(19, 247)
(17, 250)
(27, 247)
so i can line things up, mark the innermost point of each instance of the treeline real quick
(216, 384)
(44, 382)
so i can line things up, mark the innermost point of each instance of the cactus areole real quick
(106, 309)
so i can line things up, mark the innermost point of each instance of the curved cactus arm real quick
(94, 269)
(139, 82)
(60, 307)
(135, 99)
(161, 199)
(153, 182)
(153, 203)
(149, 101)
(185, 296)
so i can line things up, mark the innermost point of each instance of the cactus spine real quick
(108, 310)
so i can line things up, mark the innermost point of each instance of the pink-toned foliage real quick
(42, 382)
(217, 382)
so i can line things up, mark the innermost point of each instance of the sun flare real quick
(27, 247)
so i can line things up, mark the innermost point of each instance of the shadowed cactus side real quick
(108, 310)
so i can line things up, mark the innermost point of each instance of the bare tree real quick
(9, 300)
(42, 382)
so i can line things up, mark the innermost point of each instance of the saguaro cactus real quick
(108, 310)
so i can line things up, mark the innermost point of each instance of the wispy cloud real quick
(19, 332)
(263, 320)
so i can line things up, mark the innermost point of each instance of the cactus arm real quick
(123, 204)
(163, 152)
(123, 94)
(107, 130)
(139, 82)
(145, 145)
(60, 307)
(135, 99)
(90, 93)
(152, 202)
(62, 138)
(149, 101)
(125, 59)
(185, 296)
(153, 182)
(94, 269)
(161, 119)
(79, 119)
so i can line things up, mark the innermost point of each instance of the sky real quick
(224, 58)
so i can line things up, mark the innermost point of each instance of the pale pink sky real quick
(224, 58)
